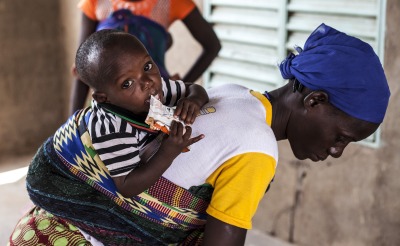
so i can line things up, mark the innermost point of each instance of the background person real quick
(149, 20)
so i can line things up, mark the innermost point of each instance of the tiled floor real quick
(14, 202)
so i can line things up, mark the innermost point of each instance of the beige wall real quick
(350, 201)
(33, 72)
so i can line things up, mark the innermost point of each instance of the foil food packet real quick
(160, 117)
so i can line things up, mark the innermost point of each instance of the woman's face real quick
(326, 131)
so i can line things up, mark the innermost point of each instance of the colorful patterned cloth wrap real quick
(67, 179)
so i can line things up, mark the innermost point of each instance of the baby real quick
(123, 78)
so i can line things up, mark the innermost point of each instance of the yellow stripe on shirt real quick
(267, 105)
(239, 185)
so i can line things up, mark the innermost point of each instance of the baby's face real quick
(136, 80)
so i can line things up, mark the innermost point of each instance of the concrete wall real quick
(34, 72)
(350, 201)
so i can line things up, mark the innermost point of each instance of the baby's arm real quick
(189, 107)
(148, 173)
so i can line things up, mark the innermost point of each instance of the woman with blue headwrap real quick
(341, 75)
(337, 94)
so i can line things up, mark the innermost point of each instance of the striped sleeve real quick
(173, 91)
(115, 141)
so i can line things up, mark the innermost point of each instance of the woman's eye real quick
(127, 84)
(341, 139)
(148, 66)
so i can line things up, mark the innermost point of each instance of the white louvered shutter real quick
(251, 36)
(257, 34)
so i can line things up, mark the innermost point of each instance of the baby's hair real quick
(96, 58)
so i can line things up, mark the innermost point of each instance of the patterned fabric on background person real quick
(158, 10)
(148, 20)
(153, 36)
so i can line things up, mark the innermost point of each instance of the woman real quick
(337, 94)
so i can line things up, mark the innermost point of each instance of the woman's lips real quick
(316, 158)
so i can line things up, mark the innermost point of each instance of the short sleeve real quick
(119, 151)
(239, 185)
(173, 90)
(116, 141)
(88, 7)
(180, 9)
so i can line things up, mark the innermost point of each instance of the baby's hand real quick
(187, 110)
(177, 140)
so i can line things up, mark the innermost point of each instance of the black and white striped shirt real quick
(118, 143)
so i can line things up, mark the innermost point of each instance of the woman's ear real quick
(315, 98)
(100, 97)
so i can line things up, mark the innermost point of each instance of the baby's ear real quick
(100, 97)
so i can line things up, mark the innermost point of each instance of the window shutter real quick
(251, 38)
(258, 34)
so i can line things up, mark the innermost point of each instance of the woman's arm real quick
(203, 33)
(79, 89)
(221, 233)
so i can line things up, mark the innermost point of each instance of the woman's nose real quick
(336, 152)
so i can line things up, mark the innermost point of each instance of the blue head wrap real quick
(344, 67)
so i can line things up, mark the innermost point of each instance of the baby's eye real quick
(148, 66)
(126, 84)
